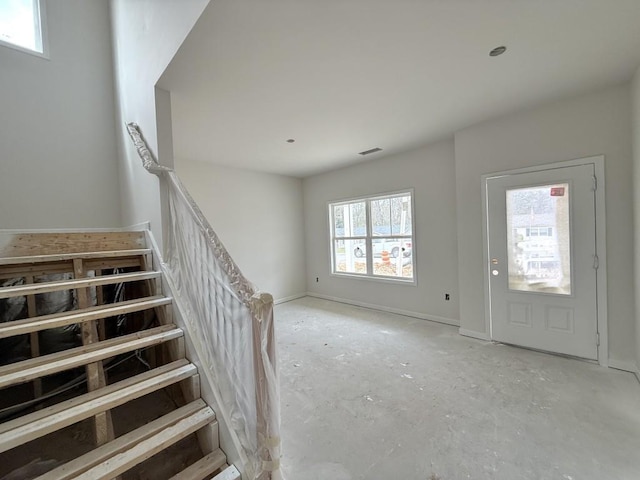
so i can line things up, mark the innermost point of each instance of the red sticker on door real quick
(557, 191)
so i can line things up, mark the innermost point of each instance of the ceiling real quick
(343, 76)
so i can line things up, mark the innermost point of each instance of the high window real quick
(21, 25)
(373, 237)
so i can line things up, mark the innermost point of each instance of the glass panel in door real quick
(539, 239)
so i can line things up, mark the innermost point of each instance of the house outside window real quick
(539, 231)
(372, 237)
(21, 25)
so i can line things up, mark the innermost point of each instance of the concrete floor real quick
(376, 396)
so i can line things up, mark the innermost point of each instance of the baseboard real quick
(473, 334)
(625, 366)
(138, 227)
(618, 365)
(382, 308)
(289, 299)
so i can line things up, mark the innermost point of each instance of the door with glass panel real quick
(541, 236)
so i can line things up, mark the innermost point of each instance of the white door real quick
(541, 236)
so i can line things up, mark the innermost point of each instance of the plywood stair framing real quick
(126, 347)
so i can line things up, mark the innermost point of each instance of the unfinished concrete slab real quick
(376, 396)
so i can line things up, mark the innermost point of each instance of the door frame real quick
(601, 245)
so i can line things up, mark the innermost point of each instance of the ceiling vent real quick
(373, 150)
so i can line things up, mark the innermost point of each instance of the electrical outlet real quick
(447, 297)
(317, 279)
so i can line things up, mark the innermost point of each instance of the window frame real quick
(369, 237)
(41, 27)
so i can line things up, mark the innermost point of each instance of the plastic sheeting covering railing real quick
(229, 324)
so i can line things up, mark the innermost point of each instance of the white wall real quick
(258, 217)
(58, 166)
(146, 36)
(593, 124)
(635, 92)
(430, 172)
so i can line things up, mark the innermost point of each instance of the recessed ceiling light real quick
(497, 51)
(291, 140)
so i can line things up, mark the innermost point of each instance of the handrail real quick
(148, 160)
(229, 322)
(242, 286)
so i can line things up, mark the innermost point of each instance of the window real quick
(373, 237)
(539, 231)
(21, 25)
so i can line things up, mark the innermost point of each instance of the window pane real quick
(381, 217)
(350, 256)
(392, 257)
(538, 240)
(350, 220)
(338, 220)
(20, 23)
(401, 215)
(358, 219)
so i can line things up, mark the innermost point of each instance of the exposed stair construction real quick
(125, 352)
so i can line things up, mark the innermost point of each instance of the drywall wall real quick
(593, 124)
(146, 36)
(635, 115)
(258, 217)
(58, 165)
(430, 172)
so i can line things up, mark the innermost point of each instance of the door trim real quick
(601, 245)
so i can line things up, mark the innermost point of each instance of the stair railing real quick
(230, 325)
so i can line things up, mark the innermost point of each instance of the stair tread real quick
(42, 422)
(150, 433)
(203, 468)
(37, 367)
(43, 322)
(229, 473)
(55, 286)
(115, 457)
(70, 256)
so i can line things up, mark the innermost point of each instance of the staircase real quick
(117, 397)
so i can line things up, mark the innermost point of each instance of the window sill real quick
(28, 51)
